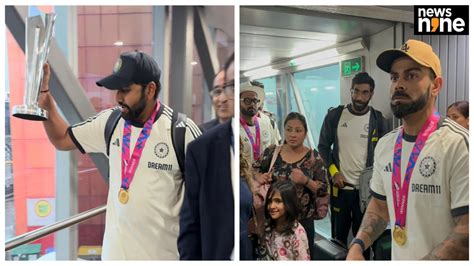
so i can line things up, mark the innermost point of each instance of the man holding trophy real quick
(146, 183)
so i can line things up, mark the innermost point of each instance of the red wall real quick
(33, 155)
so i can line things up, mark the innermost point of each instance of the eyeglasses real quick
(250, 101)
(227, 89)
(358, 92)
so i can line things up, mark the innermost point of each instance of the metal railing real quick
(49, 229)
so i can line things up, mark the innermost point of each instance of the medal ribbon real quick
(400, 194)
(130, 164)
(255, 144)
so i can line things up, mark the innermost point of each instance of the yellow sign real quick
(89, 250)
(42, 208)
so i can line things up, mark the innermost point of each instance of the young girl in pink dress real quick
(284, 237)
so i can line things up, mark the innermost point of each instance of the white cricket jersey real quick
(439, 186)
(267, 138)
(147, 226)
(352, 138)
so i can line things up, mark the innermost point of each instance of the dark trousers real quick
(308, 226)
(347, 214)
(382, 247)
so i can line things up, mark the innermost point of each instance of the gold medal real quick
(123, 196)
(400, 235)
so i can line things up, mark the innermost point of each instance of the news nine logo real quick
(442, 20)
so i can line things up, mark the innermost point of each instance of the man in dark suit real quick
(223, 105)
(207, 215)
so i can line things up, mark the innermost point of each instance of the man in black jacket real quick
(348, 137)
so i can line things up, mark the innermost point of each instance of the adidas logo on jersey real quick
(388, 168)
(181, 124)
(344, 125)
(116, 143)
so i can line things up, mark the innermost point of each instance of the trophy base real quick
(30, 113)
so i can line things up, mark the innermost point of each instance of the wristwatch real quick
(358, 241)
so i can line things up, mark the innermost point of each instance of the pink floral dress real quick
(277, 246)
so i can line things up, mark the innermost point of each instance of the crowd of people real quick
(172, 196)
(387, 187)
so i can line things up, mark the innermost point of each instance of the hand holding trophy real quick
(38, 39)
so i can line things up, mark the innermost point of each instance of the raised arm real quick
(55, 126)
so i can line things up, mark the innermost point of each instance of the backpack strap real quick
(178, 132)
(110, 126)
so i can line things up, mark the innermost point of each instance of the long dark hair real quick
(291, 202)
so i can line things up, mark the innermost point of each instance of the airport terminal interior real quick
(305, 56)
(44, 186)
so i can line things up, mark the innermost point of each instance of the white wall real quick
(377, 43)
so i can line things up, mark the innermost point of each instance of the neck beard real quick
(359, 106)
(249, 113)
(402, 110)
(135, 111)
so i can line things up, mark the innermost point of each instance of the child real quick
(284, 237)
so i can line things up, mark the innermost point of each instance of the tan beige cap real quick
(419, 51)
(247, 86)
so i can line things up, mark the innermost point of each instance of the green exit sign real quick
(352, 66)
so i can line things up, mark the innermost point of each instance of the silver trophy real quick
(38, 37)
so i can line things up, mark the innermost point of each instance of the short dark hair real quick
(297, 116)
(462, 107)
(257, 83)
(291, 202)
(432, 74)
(363, 78)
(157, 91)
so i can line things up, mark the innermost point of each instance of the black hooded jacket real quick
(378, 126)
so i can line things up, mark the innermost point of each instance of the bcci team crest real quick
(427, 166)
(161, 150)
(118, 65)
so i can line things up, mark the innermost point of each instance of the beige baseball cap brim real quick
(420, 52)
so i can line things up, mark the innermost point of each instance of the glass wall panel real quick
(271, 101)
(319, 89)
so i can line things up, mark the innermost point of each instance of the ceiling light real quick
(193, 63)
(311, 58)
(340, 49)
(261, 72)
(118, 43)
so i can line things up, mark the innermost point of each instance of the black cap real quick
(132, 67)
